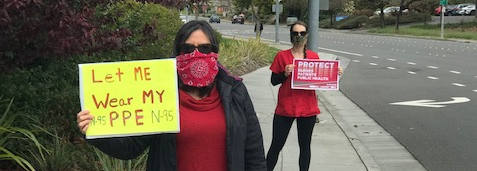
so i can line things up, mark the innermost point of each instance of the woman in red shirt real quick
(292, 104)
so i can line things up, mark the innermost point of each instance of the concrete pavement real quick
(345, 139)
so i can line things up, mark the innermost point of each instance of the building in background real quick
(221, 7)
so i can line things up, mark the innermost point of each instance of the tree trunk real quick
(381, 16)
(399, 15)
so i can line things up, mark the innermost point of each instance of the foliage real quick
(63, 156)
(33, 30)
(179, 4)
(366, 12)
(12, 136)
(390, 20)
(452, 31)
(241, 57)
(139, 26)
(108, 163)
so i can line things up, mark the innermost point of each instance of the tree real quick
(404, 4)
(335, 7)
(179, 4)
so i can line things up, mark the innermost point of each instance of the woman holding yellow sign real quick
(219, 129)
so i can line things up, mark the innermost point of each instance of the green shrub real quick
(326, 23)
(405, 19)
(108, 163)
(144, 27)
(241, 57)
(352, 22)
(366, 12)
(11, 136)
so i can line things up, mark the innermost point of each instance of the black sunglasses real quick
(203, 48)
(295, 33)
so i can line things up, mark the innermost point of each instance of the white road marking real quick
(411, 63)
(455, 72)
(390, 68)
(432, 67)
(375, 57)
(356, 61)
(475, 91)
(410, 72)
(348, 53)
(432, 103)
(457, 84)
(373, 64)
(391, 59)
(433, 78)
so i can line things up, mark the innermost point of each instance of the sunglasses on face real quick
(295, 33)
(202, 48)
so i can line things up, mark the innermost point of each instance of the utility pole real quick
(443, 9)
(313, 22)
(277, 20)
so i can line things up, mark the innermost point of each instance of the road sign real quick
(280, 8)
(443, 2)
(432, 103)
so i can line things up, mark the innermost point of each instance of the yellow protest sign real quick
(130, 98)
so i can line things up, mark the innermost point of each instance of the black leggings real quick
(281, 128)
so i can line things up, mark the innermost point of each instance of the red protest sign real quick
(315, 74)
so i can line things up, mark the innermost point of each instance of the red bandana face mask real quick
(197, 69)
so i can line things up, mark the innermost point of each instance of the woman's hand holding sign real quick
(83, 119)
(288, 69)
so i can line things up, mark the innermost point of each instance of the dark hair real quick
(182, 35)
(306, 27)
(187, 29)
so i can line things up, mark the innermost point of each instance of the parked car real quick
(214, 19)
(468, 10)
(291, 20)
(390, 11)
(183, 18)
(449, 9)
(238, 19)
(438, 10)
(456, 10)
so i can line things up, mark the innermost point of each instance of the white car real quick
(390, 10)
(468, 10)
(184, 18)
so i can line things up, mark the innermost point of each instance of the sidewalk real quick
(346, 139)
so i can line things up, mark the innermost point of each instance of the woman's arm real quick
(278, 78)
(254, 152)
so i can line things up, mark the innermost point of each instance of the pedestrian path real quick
(345, 139)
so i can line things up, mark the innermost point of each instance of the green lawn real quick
(452, 31)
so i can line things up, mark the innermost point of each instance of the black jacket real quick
(244, 143)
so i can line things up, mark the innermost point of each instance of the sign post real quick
(130, 98)
(443, 4)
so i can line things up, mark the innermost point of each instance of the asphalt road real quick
(440, 132)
